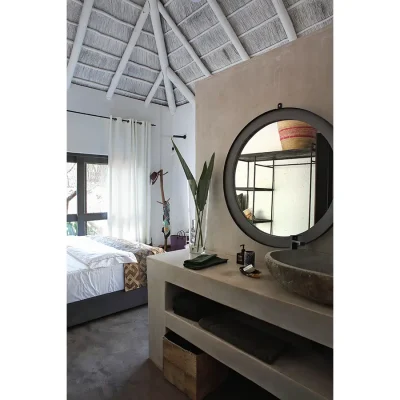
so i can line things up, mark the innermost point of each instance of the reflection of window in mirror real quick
(280, 185)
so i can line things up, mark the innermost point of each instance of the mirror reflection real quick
(284, 178)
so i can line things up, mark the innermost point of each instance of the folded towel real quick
(194, 307)
(265, 347)
(204, 261)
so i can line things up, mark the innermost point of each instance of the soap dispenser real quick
(240, 256)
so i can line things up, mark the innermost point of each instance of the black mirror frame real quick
(280, 114)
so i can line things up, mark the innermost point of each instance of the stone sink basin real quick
(304, 272)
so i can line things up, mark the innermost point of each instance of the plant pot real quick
(295, 135)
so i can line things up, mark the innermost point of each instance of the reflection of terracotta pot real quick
(296, 135)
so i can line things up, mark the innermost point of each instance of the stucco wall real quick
(299, 74)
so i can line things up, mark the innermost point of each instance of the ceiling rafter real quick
(112, 72)
(78, 42)
(104, 53)
(128, 50)
(107, 15)
(97, 32)
(274, 46)
(102, 87)
(181, 86)
(153, 89)
(119, 52)
(120, 21)
(285, 19)
(275, 17)
(218, 24)
(211, 27)
(228, 29)
(183, 39)
(162, 53)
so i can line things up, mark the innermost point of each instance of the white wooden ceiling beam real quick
(162, 53)
(181, 86)
(183, 39)
(80, 35)
(153, 89)
(228, 29)
(128, 50)
(285, 19)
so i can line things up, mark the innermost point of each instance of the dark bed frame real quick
(86, 310)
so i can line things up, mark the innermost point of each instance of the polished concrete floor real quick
(108, 359)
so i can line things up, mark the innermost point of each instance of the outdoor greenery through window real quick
(87, 194)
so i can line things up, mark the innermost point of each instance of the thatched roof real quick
(257, 26)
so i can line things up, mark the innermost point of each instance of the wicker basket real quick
(295, 135)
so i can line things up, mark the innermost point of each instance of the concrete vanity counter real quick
(302, 377)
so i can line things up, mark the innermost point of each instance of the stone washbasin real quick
(304, 272)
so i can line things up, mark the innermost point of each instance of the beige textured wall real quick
(299, 74)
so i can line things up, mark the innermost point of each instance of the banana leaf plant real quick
(199, 192)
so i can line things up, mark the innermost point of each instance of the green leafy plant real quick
(199, 192)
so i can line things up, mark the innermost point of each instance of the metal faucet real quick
(295, 242)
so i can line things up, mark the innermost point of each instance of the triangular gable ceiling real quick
(207, 36)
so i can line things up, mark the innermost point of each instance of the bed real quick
(105, 275)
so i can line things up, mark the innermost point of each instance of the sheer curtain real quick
(129, 180)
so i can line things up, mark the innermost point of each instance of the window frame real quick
(82, 217)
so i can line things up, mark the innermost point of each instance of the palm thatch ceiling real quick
(207, 36)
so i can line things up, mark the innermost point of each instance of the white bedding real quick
(84, 282)
(93, 268)
(94, 254)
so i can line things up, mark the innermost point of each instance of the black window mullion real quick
(72, 217)
(81, 194)
(95, 216)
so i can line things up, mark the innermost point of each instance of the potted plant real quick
(200, 193)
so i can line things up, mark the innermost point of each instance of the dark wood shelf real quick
(252, 189)
(261, 220)
(277, 155)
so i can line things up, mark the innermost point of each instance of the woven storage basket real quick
(296, 135)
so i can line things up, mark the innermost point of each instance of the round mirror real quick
(278, 177)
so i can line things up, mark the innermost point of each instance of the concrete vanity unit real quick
(291, 376)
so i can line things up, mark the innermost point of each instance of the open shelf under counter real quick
(294, 375)
(262, 298)
(299, 376)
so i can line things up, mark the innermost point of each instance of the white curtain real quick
(129, 180)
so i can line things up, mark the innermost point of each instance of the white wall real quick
(292, 186)
(89, 135)
(176, 187)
